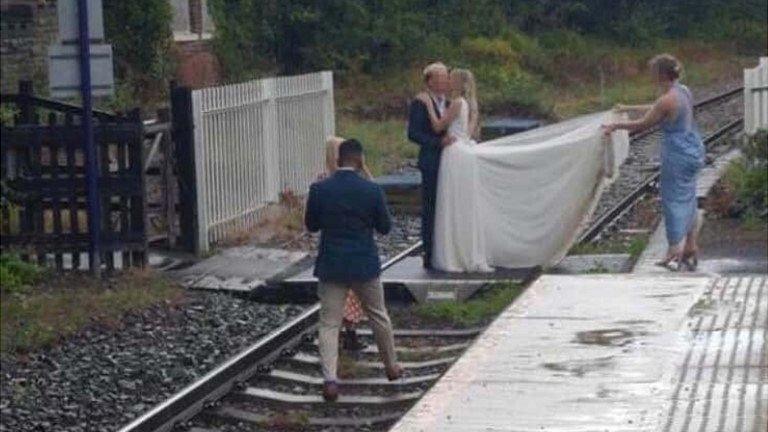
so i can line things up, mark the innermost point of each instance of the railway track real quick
(275, 383)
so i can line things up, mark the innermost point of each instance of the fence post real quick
(272, 142)
(330, 120)
(182, 131)
(26, 109)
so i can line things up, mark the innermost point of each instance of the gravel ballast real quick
(102, 378)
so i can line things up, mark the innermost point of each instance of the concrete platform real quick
(242, 268)
(612, 353)
(429, 285)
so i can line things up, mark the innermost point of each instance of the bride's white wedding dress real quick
(459, 243)
(521, 200)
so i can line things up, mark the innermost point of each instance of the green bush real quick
(140, 34)
(17, 275)
(502, 81)
(749, 175)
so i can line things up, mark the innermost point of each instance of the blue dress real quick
(682, 156)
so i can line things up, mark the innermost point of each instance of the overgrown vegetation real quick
(38, 309)
(746, 180)
(17, 276)
(140, 34)
(524, 53)
(472, 312)
(378, 36)
(633, 246)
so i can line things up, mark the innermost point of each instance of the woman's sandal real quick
(672, 264)
(691, 260)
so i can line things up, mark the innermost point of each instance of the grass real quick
(288, 421)
(58, 306)
(385, 142)
(348, 367)
(473, 312)
(565, 77)
(16, 275)
(614, 245)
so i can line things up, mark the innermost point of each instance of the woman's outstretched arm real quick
(632, 108)
(658, 112)
(441, 123)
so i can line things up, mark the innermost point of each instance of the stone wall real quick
(27, 28)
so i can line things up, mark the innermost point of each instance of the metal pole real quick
(92, 168)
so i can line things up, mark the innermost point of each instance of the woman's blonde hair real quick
(667, 66)
(469, 92)
(332, 157)
(332, 154)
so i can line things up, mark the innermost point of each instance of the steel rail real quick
(697, 107)
(215, 384)
(192, 399)
(643, 187)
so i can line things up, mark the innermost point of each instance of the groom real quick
(431, 146)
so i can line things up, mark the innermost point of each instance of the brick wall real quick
(27, 28)
(197, 66)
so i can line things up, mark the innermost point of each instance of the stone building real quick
(27, 28)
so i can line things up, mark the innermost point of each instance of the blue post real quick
(92, 167)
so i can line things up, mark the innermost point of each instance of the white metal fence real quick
(756, 97)
(254, 140)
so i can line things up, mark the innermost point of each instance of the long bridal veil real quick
(521, 201)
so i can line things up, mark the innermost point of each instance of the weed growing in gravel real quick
(473, 312)
(288, 421)
(637, 247)
(60, 306)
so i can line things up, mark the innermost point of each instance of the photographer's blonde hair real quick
(332, 157)
(469, 92)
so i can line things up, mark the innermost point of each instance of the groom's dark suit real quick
(420, 132)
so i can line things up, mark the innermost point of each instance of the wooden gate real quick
(44, 213)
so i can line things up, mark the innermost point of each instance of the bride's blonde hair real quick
(469, 92)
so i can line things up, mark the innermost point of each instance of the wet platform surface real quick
(613, 353)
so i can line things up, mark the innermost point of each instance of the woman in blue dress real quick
(682, 156)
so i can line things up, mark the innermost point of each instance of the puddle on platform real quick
(580, 368)
(616, 337)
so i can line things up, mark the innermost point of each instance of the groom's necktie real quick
(440, 105)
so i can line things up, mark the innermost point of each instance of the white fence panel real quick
(254, 140)
(756, 97)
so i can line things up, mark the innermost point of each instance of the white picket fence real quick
(756, 97)
(254, 140)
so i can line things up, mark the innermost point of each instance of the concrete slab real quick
(612, 353)
(656, 250)
(242, 268)
(430, 285)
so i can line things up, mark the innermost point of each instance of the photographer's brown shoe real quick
(330, 391)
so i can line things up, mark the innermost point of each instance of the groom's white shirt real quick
(439, 102)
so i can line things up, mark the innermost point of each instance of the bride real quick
(459, 243)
